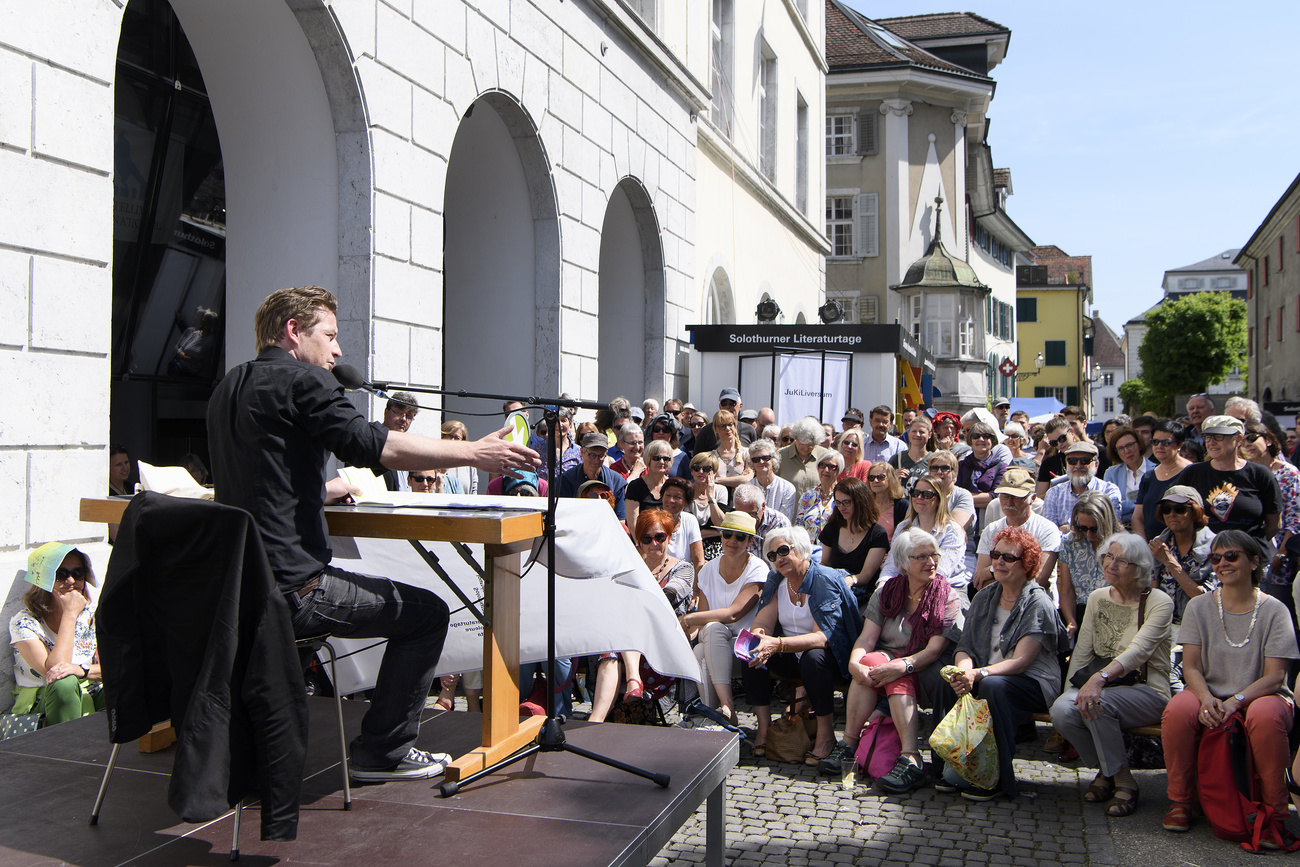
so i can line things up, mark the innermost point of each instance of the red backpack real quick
(1229, 791)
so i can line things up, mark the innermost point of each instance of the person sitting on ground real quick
(889, 494)
(676, 578)
(726, 600)
(777, 492)
(1238, 494)
(817, 504)
(911, 626)
(1079, 572)
(928, 511)
(961, 502)
(56, 669)
(1127, 467)
(1081, 462)
(853, 539)
(1127, 628)
(685, 542)
(1237, 644)
(810, 605)
(1008, 654)
(529, 484)
(1016, 442)
(645, 492)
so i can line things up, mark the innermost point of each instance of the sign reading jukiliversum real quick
(890, 339)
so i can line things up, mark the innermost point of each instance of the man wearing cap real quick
(1238, 494)
(594, 447)
(1002, 412)
(852, 418)
(880, 446)
(1181, 549)
(749, 419)
(707, 439)
(1016, 496)
(749, 499)
(1081, 461)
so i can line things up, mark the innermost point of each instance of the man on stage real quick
(271, 424)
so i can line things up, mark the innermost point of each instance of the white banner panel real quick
(806, 387)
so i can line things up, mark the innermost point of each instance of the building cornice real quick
(1282, 212)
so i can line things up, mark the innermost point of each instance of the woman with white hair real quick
(816, 616)
(777, 492)
(631, 441)
(911, 627)
(1015, 440)
(1119, 671)
(799, 458)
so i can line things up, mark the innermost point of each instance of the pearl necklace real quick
(1218, 595)
(795, 596)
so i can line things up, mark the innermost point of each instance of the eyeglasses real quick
(696, 425)
(1218, 438)
(760, 459)
(667, 459)
(1079, 462)
(787, 440)
(924, 495)
(1173, 508)
(1252, 437)
(423, 479)
(1108, 558)
(77, 573)
(829, 468)
(1085, 529)
(875, 478)
(982, 436)
(734, 534)
(408, 414)
(777, 553)
(1127, 447)
(1005, 557)
(942, 468)
(1061, 440)
(1230, 556)
(924, 557)
(657, 538)
(1162, 444)
(843, 503)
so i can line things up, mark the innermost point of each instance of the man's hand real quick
(338, 491)
(494, 455)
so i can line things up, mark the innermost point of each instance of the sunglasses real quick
(734, 534)
(76, 574)
(1230, 556)
(702, 469)
(696, 425)
(657, 538)
(787, 440)
(941, 468)
(1162, 444)
(1061, 440)
(1079, 462)
(1005, 557)
(423, 479)
(668, 459)
(777, 553)
(659, 430)
(1085, 529)
(760, 459)
(879, 478)
(1252, 437)
(1173, 508)
(981, 436)
(850, 444)
(924, 495)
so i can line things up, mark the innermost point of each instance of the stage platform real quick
(552, 809)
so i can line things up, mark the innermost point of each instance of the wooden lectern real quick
(505, 536)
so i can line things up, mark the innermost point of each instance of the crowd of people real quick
(1139, 576)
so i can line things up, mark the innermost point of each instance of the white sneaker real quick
(418, 765)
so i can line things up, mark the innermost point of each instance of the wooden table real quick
(505, 535)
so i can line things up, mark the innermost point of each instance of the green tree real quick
(1137, 397)
(1191, 344)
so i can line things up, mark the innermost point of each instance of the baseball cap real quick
(595, 440)
(1016, 481)
(1083, 447)
(728, 394)
(589, 484)
(748, 414)
(1183, 494)
(1222, 424)
(1001, 401)
(852, 415)
(637, 414)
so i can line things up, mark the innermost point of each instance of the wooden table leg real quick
(503, 734)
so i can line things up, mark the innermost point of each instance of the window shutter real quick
(1072, 395)
(1039, 391)
(868, 240)
(867, 132)
(870, 310)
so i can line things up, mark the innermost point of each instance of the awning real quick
(1039, 409)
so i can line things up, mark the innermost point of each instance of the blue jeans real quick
(415, 623)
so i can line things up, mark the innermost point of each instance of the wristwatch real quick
(1104, 677)
(85, 671)
(1241, 699)
(984, 672)
(911, 669)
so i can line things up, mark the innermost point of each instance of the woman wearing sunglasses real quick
(850, 445)
(817, 619)
(818, 503)
(1008, 654)
(56, 672)
(889, 494)
(1182, 555)
(928, 511)
(1126, 635)
(1237, 644)
(1078, 571)
(645, 491)
(1166, 443)
(708, 499)
(726, 600)
(1238, 494)
(910, 628)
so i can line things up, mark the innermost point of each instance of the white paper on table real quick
(172, 481)
(370, 487)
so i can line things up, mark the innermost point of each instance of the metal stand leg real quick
(715, 826)
(343, 742)
(234, 841)
(103, 784)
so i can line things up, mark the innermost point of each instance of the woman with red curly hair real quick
(1008, 653)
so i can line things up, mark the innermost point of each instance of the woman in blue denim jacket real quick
(807, 622)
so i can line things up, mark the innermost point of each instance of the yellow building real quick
(1053, 295)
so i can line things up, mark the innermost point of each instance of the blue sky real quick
(1149, 135)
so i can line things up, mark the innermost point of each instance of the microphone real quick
(348, 376)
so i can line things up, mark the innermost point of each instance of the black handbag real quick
(1136, 676)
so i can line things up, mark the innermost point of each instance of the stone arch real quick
(632, 304)
(501, 256)
(719, 301)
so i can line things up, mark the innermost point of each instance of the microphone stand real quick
(551, 738)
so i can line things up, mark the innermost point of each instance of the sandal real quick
(813, 760)
(443, 704)
(1101, 790)
(760, 751)
(1179, 818)
(634, 691)
(1125, 802)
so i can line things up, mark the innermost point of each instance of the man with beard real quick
(1081, 463)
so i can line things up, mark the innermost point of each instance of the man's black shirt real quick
(271, 423)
